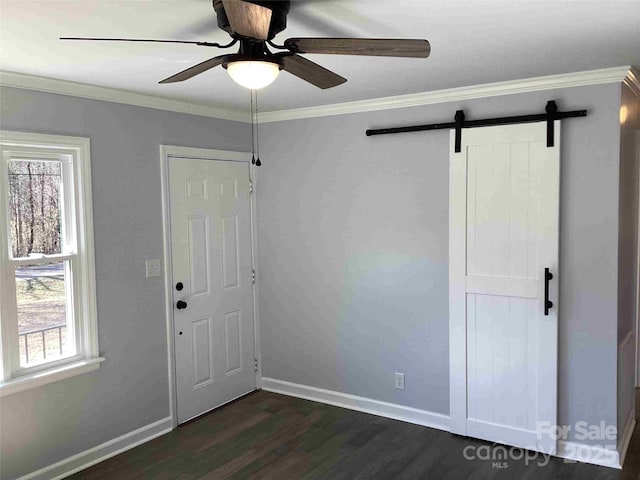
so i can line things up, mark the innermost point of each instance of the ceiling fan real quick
(254, 23)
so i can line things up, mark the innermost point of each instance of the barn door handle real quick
(547, 303)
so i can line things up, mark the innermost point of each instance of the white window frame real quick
(74, 152)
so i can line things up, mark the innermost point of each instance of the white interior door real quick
(212, 283)
(504, 209)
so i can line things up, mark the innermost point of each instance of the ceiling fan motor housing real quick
(279, 11)
(252, 51)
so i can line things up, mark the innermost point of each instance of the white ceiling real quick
(473, 42)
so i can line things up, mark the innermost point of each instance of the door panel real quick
(230, 263)
(503, 234)
(202, 351)
(501, 382)
(199, 255)
(233, 344)
(211, 256)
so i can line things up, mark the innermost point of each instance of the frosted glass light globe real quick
(253, 75)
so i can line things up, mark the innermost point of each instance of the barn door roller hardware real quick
(551, 114)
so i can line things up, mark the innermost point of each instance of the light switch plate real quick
(153, 268)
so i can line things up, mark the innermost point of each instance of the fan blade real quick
(195, 70)
(311, 72)
(205, 44)
(360, 46)
(248, 19)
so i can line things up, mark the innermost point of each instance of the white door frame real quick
(637, 326)
(168, 152)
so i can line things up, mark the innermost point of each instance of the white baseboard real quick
(627, 433)
(99, 453)
(594, 454)
(361, 404)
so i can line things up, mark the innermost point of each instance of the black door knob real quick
(181, 304)
(179, 286)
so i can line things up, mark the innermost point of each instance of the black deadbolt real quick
(181, 304)
(179, 333)
(179, 286)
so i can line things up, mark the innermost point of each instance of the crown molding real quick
(549, 82)
(632, 80)
(84, 90)
(629, 75)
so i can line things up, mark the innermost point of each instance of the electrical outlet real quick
(153, 268)
(399, 381)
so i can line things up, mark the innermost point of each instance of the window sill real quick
(38, 379)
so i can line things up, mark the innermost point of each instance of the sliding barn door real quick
(504, 208)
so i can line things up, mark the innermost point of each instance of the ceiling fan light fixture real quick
(253, 74)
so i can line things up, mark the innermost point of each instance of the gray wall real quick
(353, 252)
(130, 390)
(627, 251)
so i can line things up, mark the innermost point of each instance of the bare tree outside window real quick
(34, 205)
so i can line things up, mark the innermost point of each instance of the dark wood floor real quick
(269, 436)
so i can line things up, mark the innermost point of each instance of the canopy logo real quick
(500, 455)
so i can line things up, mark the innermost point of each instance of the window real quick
(47, 280)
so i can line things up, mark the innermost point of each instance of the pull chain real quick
(258, 162)
(253, 141)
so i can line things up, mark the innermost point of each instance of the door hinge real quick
(250, 187)
(255, 364)
(253, 276)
